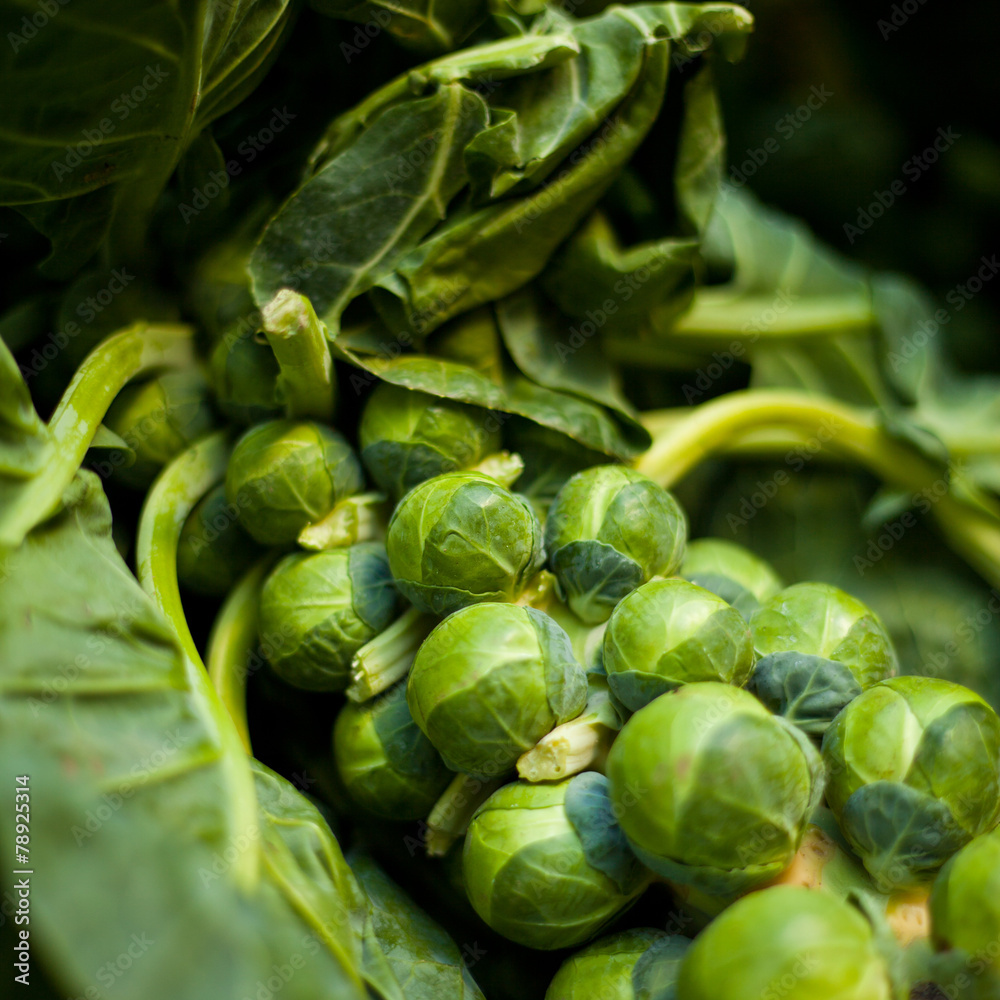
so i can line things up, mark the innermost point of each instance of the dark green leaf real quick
(103, 102)
(807, 690)
(407, 955)
(591, 814)
(366, 207)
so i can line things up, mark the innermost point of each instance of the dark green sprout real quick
(285, 475)
(214, 551)
(490, 681)
(245, 379)
(817, 648)
(545, 865)
(462, 538)
(407, 437)
(669, 633)
(158, 419)
(731, 571)
(609, 530)
(318, 609)
(914, 765)
(711, 789)
(386, 763)
(638, 964)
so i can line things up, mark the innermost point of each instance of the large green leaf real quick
(103, 99)
(407, 955)
(143, 798)
(353, 219)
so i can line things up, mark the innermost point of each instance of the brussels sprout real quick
(490, 681)
(711, 789)
(731, 571)
(385, 761)
(609, 530)
(914, 766)
(285, 475)
(317, 610)
(245, 379)
(817, 648)
(546, 866)
(639, 964)
(788, 942)
(668, 633)
(214, 551)
(461, 538)
(965, 916)
(408, 436)
(158, 419)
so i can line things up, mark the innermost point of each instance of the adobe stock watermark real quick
(787, 127)
(364, 34)
(121, 107)
(940, 662)
(913, 169)
(88, 310)
(722, 361)
(109, 973)
(958, 298)
(248, 150)
(899, 14)
(766, 490)
(893, 531)
(31, 24)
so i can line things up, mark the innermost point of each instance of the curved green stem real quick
(82, 408)
(171, 499)
(174, 494)
(971, 525)
(232, 642)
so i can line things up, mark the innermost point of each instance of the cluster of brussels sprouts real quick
(596, 705)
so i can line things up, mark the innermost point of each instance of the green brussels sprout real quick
(817, 649)
(914, 767)
(284, 475)
(245, 379)
(668, 633)
(609, 530)
(490, 681)
(213, 551)
(731, 571)
(786, 942)
(408, 436)
(711, 789)
(545, 864)
(965, 917)
(318, 609)
(461, 538)
(638, 964)
(386, 763)
(158, 419)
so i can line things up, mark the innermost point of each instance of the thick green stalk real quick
(970, 522)
(232, 643)
(173, 496)
(452, 813)
(298, 338)
(82, 408)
